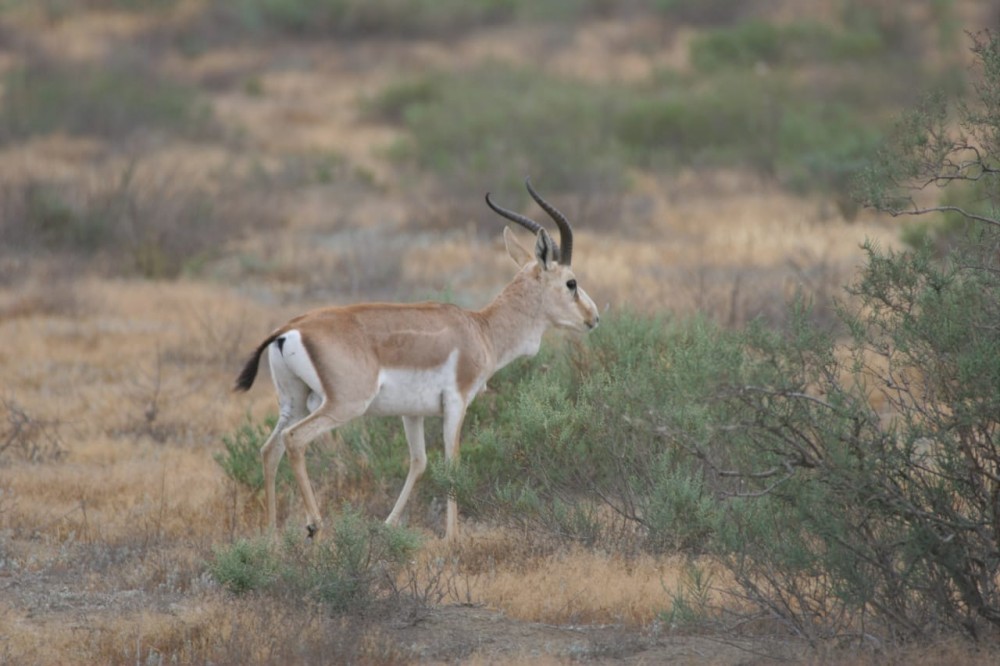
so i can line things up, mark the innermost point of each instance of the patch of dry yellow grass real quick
(583, 587)
(565, 586)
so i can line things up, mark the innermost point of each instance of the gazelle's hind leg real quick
(292, 401)
(414, 428)
(296, 438)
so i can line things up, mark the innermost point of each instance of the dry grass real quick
(554, 584)
(583, 587)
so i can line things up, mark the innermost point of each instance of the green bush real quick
(868, 472)
(890, 514)
(698, 12)
(841, 485)
(347, 572)
(965, 198)
(248, 565)
(747, 45)
(243, 19)
(110, 100)
(584, 430)
(369, 453)
(132, 223)
(753, 43)
(241, 460)
(762, 123)
(495, 124)
(359, 18)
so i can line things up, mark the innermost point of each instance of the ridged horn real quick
(524, 221)
(565, 231)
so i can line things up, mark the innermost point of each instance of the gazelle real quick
(332, 365)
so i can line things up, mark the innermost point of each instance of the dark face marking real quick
(281, 343)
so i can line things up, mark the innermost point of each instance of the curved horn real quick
(525, 222)
(565, 231)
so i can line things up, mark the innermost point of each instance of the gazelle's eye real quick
(571, 285)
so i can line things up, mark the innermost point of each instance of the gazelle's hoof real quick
(312, 530)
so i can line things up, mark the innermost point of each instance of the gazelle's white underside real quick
(398, 392)
(416, 392)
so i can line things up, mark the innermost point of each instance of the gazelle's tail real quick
(249, 373)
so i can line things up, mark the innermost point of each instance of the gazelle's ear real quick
(545, 250)
(515, 249)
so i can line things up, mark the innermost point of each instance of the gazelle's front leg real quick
(414, 428)
(454, 415)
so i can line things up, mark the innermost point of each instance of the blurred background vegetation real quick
(797, 96)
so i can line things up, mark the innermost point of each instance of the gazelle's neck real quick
(514, 321)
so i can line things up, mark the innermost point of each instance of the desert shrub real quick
(756, 42)
(246, 566)
(868, 471)
(111, 100)
(26, 437)
(376, 448)
(358, 18)
(496, 123)
(922, 149)
(883, 517)
(978, 198)
(348, 571)
(55, 10)
(134, 222)
(403, 19)
(241, 460)
(575, 444)
(700, 12)
(765, 124)
(842, 487)
(366, 458)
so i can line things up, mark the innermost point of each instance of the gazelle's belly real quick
(415, 391)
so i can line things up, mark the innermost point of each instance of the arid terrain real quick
(115, 387)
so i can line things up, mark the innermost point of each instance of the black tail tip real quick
(249, 373)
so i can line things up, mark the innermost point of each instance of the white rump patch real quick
(289, 359)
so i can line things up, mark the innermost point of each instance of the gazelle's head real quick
(564, 302)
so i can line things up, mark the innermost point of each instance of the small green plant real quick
(246, 566)
(347, 571)
(690, 602)
(241, 458)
